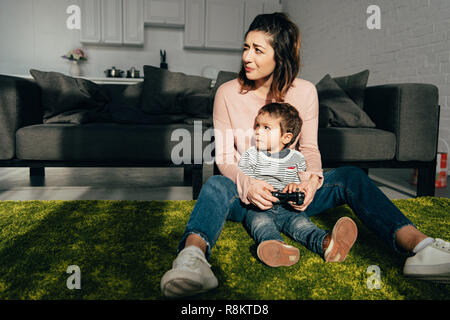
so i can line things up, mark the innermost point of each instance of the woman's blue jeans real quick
(219, 201)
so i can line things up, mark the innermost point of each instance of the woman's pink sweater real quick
(234, 115)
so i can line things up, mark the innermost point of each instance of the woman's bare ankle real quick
(195, 240)
(408, 237)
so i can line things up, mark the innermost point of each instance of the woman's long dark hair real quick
(285, 41)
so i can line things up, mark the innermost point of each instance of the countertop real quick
(98, 80)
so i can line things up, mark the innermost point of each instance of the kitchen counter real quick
(98, 80)
(106, 80)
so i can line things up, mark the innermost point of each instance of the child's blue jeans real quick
(267, 224)
(219, 201)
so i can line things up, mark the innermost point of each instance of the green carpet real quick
(124, 247)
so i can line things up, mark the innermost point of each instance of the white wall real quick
(33, 34)
(413, 44)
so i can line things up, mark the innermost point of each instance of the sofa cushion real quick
(336, 109)
(80, 116)
(125, 114)
(356, 144)
(105, 142)
(125, 106)
(163, 89)
(124, 95)
(222, 77)
(197, 105)
(69, 99)
(354, 86)
(206, 122)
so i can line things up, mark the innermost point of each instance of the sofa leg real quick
(426, 178)
(37, 176)
(37, 171)
(187, 175)
(197, 180)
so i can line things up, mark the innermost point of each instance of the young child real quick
(276, 127)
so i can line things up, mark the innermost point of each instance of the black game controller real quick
(297, 197)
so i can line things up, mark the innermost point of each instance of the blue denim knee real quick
(217, 202)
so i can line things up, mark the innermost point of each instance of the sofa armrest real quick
(20, 106)
(411, 111)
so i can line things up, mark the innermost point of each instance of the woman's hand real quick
(260, 194)
(308, 187)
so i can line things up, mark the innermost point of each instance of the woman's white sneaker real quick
(190, 274)
(430, 263)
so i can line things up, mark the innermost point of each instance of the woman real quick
(270, 64)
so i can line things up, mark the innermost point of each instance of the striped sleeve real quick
(247, 162)
(300, 162)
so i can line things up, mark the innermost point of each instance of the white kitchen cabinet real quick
(101, 21)
(112, 31)
(252, 9)
(133, 22)
(224, 24)
(214, 24)
(164, 12)
(194, 30)
(91, 28)
(112, 22)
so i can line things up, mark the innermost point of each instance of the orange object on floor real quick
(441, 170)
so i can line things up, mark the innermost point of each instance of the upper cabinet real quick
(113, 22)
(210, 24)
(252, 9)
(221, 24)
(194, 30)
(91, 28)
(214, 24)
(224, 24)
(164, 12)
(271, 6)
(133, 22)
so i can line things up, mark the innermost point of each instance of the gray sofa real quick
(406, 134)
(127, 141)
(406, 118)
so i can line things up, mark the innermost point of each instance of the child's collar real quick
(281, 154)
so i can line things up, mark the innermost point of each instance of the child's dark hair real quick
(290, 120)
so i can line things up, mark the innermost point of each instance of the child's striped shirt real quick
(279, 169)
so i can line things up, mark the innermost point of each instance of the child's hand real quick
(292, 187)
